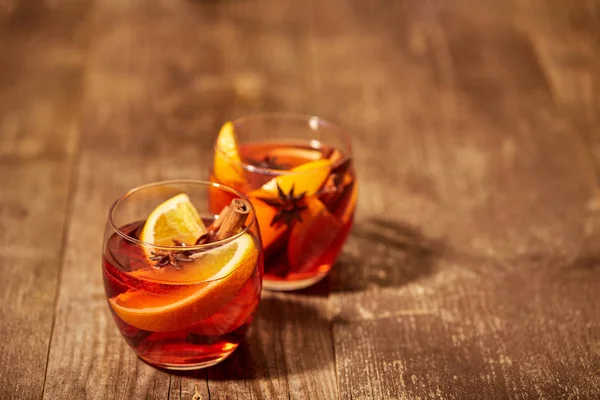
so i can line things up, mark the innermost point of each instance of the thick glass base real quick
(205, 363)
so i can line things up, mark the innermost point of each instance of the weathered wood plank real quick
(472, 270)
(88, 357)
(288, 354)
(570, 64)
(40, 85)
(30, 240)
(454, 282)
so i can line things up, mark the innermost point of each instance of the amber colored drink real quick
(199, 335)
(304, 226)
(182, 302)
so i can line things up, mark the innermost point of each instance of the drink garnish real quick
(233, 219)
(320, 227)
(227, 157)
(197, 294)
(341, 168)
(289, 206)
(308, 177)
(338, 180)
(174, 258)
(280, 192)
(173, 219)
(270, 162)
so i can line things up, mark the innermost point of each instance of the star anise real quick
(271, 162)
(289, 206)
(334, 183)
(230, 221)
(174, 257)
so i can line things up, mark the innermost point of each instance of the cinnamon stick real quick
(217, 222)
(234, 217)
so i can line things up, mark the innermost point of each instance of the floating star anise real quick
(335, 181)
(174, 257)
(229, 221)
(289, 206)
(270, 162)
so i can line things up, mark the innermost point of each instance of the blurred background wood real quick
(473, 269)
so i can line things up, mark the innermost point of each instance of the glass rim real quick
(211, 245)
(310, 120)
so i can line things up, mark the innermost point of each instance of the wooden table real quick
(473, 270)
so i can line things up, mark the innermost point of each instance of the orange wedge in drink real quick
(310, 238)
(224, 271)
(308, 177)
(296, 155)
(174, 219)
(227, 164)
(335, 156)
(232, 315)
(265, 214)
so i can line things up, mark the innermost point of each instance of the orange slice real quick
(176, 219)
(264, 214)
(310, 239)
(232, 315)
(308, 177)
(206, 266)
(335, 156)
(226, 166)
(230, 265)
(296, 155)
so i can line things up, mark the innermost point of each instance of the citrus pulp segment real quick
(227, 161)
(296, 154)
(182, 308)
(232, 315)
(174, 219)
(306, 178)
(265, 213)
(309, 238)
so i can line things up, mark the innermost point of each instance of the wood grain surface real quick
(473, 269)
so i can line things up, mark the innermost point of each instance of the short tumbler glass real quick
(178, 318)
(298, 173)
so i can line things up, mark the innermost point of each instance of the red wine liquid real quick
(203, 342)
(305, 249)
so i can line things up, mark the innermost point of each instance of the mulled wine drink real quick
(303, 190)
(182, 286)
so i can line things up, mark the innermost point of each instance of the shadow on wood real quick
(588, 256)
(320, 289)
(384, 253)
(262, 354)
